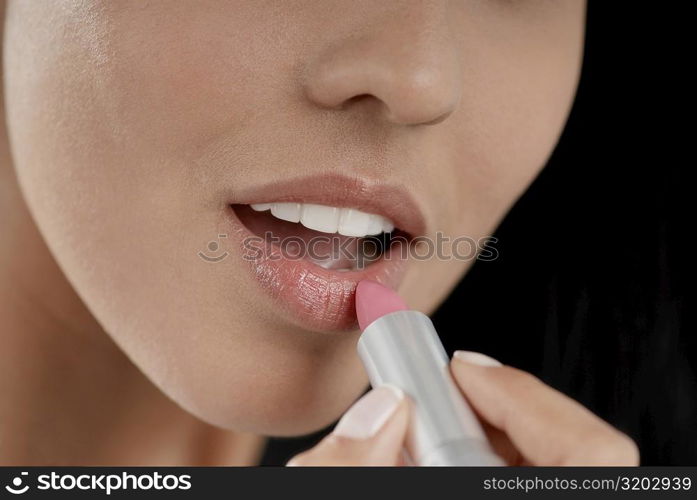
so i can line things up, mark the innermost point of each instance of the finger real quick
(502, 445)
(547, 427)
(371, 432)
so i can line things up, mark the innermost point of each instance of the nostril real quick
(358, 100)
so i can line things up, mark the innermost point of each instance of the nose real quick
(408, 63)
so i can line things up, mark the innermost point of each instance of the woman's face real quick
(141, 131)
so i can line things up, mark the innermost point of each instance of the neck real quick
(70, 396)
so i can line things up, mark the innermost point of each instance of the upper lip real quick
(376, 197)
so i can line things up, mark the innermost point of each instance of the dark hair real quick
(589, 292)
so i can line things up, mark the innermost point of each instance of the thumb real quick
(371, 432)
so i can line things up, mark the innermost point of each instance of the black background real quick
(590, 290)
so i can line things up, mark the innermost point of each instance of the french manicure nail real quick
(476, 358)
(365, 418)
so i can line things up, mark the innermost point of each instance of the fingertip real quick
(476, 358)
(370, 413)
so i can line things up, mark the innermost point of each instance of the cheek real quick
(519, 82)
(106, 170)
(100, 154)
(534, 67)
(104, 203)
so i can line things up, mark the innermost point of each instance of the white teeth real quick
(261, 207)
(326, 219)
(355, 223)
(375, 225)
(320, 217)
(287, 211)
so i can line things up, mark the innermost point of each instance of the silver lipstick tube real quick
(403, 349)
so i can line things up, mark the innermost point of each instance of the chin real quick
(285, 392)
(280, 412)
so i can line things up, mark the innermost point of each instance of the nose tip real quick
(414, 80)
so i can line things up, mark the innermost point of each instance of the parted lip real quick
(308, 295)
(388, 200)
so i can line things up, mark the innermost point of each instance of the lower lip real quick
(312, 297)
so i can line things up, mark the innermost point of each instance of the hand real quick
(526, 421)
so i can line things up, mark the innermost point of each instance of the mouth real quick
(309, 242)
(339, 239)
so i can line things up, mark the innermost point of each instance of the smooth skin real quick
(526, 422)
(126, 127)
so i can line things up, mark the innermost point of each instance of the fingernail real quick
(476, 358)
(365, 418)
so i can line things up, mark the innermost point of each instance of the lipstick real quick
(399, 346)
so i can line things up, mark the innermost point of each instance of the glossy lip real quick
(310, 296)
